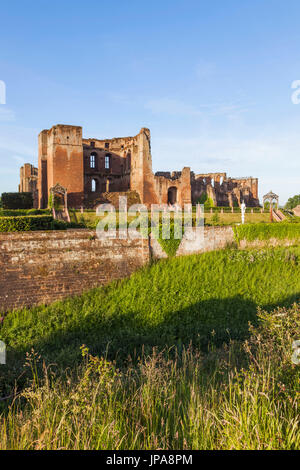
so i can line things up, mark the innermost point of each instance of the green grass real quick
(202, 299)
(90, 219)
(209, 382)
(279, 231)
(243, 396)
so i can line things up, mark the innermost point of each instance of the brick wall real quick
(211, 238)
(41, 267)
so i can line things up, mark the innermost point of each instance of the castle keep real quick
(91, 169)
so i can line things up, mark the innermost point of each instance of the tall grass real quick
(169, 360)
(280, 231)
(203, 299)
(243, 396)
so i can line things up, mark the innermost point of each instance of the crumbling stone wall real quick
(89, 168)
(225, 191)
(61, 162)
(296, 211)
(29, 181)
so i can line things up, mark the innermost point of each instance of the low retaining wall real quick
(41, 267)
(209, 239)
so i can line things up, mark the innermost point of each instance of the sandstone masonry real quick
(90, 169)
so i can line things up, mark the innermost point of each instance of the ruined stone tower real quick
(91, 169)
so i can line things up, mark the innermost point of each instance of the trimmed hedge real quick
(17, 200)
(226, 209)
(26, 223)
(265, 231)
(22, 212)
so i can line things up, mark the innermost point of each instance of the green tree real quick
(202, 199)
(207, 201)
(293, 202)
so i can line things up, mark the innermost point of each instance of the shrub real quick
(22, 212)
(55, 201)
(38, 212)
(26, 223)
(12, 213)
(17, 200)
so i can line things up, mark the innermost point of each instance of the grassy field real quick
(229, 218)
(210, 382)
(90, 218)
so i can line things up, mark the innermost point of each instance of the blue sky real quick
(211, 79)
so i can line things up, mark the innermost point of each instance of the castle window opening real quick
(94, 186)
(107, 145)
(107, 162)
(93, 160)
(172, 195)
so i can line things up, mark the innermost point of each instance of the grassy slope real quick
(197, 298)
(243, 396)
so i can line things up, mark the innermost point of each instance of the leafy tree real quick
(207, 201)
(293, 202)
(202, 199)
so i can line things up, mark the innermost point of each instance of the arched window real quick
(94, 186)
(172, 195)
(93, 160)
(221, 180)
(213, 182)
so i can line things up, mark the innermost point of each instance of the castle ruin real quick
(89, 169)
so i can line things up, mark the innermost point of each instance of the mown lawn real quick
(90, 218)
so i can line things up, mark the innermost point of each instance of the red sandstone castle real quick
(91, 169)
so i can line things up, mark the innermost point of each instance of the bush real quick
(38, 212)
(17, 200)
(22, 212)
(55, 201)
(12, 213)
(26, 223)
